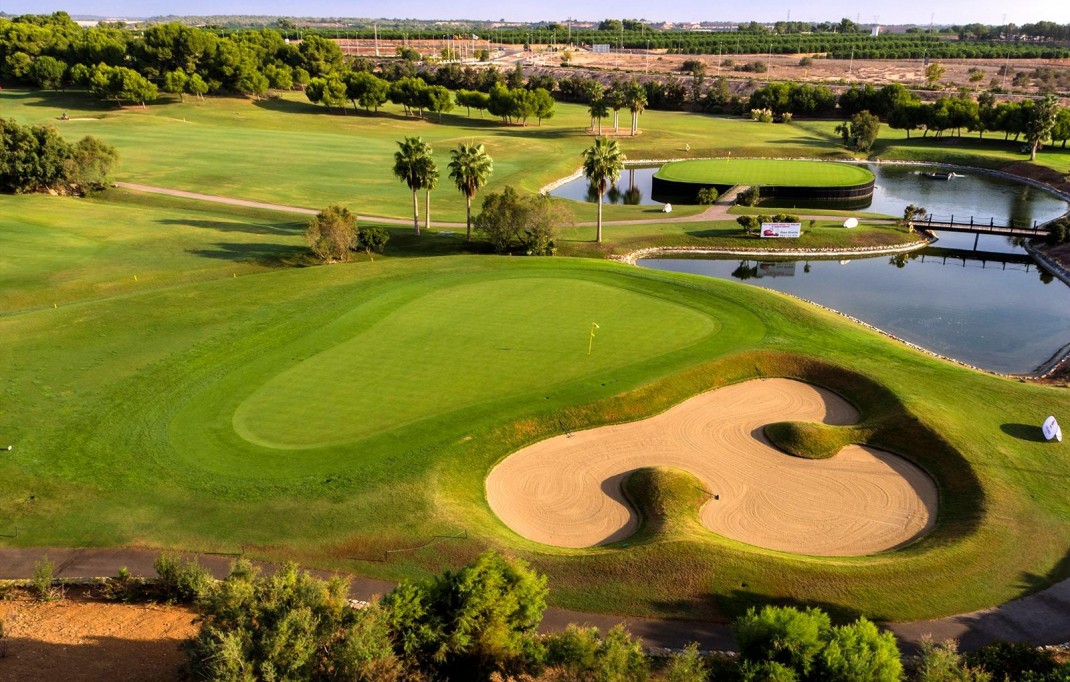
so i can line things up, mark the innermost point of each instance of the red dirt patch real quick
(82, 639)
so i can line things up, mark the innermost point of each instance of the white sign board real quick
(600, 48)
(781, 229)
(1052, 430)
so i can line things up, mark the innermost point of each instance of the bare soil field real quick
(81, 639)
(566, 491)
(781, 67)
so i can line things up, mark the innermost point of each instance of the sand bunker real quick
(565, 491)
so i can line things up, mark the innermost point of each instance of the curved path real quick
(1041, 618)
(860, 502)
(718, 211)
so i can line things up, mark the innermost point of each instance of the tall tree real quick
(598, 110)
(412, 162)
(635, 99)
(602, 164)
(470, 168)
(1040, 123)
(430, 182)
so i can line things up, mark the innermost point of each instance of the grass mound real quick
(810, 440)
(765, 172)
(667, 501)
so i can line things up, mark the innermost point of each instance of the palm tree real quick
(635, 99)
(470, 168)
(615, 101)
(430, 176)
(602, 164)
(599, 110)
(411, 162)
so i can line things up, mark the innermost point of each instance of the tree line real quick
(1033, 120)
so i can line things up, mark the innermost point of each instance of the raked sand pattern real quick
(565, 491)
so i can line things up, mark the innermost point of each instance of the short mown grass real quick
(765, 172)
(175, 376)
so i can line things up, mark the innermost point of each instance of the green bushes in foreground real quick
(480, 623)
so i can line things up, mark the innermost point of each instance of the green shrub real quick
(1059, 232)
(44, 574)
(707, 196)
(859, 652)
(1014, 661)
(181, 581)
(942, 663)
(782, 635)
(687, 666)
(579, 653)
(289, 626)
(806, 61)
(749, 197)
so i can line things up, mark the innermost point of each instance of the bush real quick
(181, 581)
(1014, 661)
(473, 622)
(783, 635)
(37, 158)
(372, 239)
(859, 651)
(687, 666)
(806, 61)
(332, 234)
(749, 197)
(44, 574)
(761, 115)
(707, 196)
(942, 663)
(290, 626)
(1059, 232)
(508, 220)
(786, 117)
(579, 653)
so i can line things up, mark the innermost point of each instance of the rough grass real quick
(810, 440)
(763, 172)
(668, 502)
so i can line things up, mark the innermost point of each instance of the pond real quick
(980, 300)
(968, 194)
(994, 308)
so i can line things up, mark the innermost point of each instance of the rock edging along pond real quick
(655, 251)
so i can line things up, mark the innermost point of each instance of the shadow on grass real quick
(227, 226)
(270, 255)
(1027, 432)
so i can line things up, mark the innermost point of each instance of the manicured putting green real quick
(765, 172)
(460, 346)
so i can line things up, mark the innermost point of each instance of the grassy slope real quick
(121, 410)
(117, 400)
(293, 152)
(765, 172)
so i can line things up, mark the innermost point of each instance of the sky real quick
(899, 12)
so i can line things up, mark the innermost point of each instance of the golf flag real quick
(590, 344)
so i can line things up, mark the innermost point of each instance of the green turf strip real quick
(765, 172)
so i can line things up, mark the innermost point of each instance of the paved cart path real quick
(717, 211)
(1041, 618)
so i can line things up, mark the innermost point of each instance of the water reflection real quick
(992, 307)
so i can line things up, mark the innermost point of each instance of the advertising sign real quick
(781, 229)
(1051, 429)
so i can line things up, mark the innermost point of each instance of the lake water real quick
(979, 195)
(994, 309)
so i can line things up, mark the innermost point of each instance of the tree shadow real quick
(95, 658)
(59, 99)
(282, 228)
(271, 255)
(1027, 432)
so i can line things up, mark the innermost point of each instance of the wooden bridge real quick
(970, 224)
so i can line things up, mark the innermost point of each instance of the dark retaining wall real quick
(686, 192)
